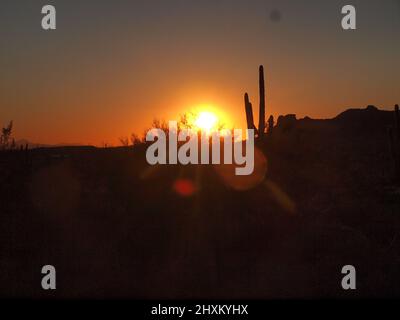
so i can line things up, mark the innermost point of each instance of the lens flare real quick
(184, 187)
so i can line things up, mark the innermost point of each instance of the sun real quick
(206, 121)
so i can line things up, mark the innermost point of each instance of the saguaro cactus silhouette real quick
(261, 119)
(394, 142)
(249, 109)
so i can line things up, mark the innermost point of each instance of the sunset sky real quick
(113, 66)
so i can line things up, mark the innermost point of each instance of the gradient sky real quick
(112, 66)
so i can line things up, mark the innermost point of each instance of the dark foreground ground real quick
(116, 228)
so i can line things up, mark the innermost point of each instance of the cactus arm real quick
(249, 112)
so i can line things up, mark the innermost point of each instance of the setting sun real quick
(206, 121)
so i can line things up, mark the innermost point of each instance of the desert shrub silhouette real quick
(6, 142)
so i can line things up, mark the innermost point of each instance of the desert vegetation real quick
(115, 226)
(6, 140)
